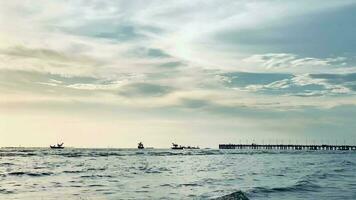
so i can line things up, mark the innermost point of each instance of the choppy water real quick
(175, 174)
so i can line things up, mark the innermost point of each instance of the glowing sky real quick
(113, 73)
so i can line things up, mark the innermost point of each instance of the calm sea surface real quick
(38, 173)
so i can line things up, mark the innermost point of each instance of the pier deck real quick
(288, 147)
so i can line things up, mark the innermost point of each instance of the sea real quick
(71, 173)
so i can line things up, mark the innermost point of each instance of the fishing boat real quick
(57, 146)
(175, 146)
(140, 146)
(189, 147)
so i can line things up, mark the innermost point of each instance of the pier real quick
(289, 147)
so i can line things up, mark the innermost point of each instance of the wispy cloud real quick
(307, 85)
(293, 63)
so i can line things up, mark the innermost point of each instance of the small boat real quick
(175, 146)
(140, 146)
(189, 147)
(57, 146)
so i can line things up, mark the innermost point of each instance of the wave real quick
(233, 196)
(96, 185)
(97, 169)
(93, 176)
(4, 191)
(188, 185)
(72, 171)
(300, 186)
(347, 163)
(74, 153)
(6, 164)
(20, 173)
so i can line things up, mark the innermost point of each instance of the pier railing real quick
(288, 147)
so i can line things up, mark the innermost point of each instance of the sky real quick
(112, 73)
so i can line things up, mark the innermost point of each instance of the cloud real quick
(49, 55)
(195, 103)
(319, 33)
(171, 51)
(47, 61)
(148, 52)
(182, 30)
(97, 86)
(106, 30)
(347, 80)
(144, 90)
(294, 64)
(242, 79)
(171, 64)
(303, 85)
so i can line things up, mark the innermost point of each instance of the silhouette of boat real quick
(57, 146)
(175, 146)
(189, 147)
(140, 146)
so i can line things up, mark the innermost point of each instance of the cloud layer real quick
(230, 58)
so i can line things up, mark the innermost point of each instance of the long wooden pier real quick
(288, 147)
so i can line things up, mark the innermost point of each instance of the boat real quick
(189, 147)
(140, 146)
(57, 146)
(175, 146)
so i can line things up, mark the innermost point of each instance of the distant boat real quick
(140, 146)
(175, 146)
(57, 146)
(189, 147)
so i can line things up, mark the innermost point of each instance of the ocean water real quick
(41, 173)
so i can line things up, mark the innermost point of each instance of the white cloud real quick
(88, 86)
(291, 63)
(300, 85)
